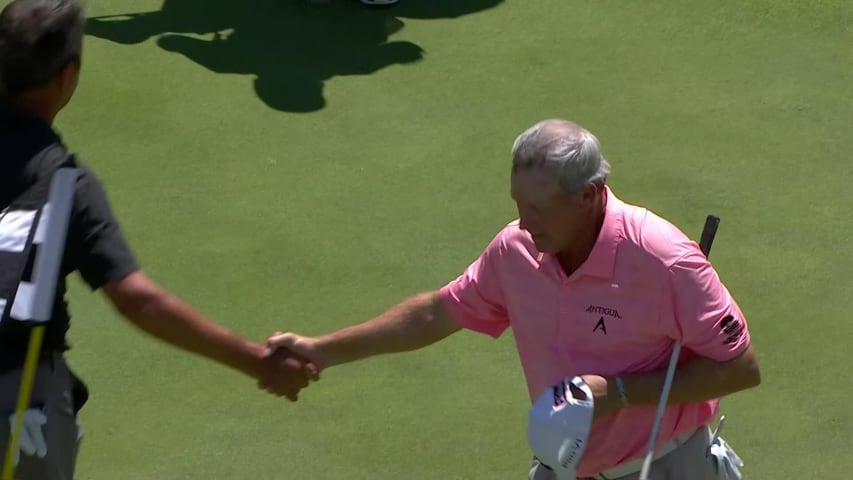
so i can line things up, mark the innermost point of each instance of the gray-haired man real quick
(592, 287)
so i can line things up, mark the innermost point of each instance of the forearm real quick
(176, 323)
(696, 381)
(413, 324)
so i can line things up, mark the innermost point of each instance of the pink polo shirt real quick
(644, 285)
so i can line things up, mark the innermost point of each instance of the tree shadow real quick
(291, 46)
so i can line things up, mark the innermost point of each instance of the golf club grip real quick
(709, 231)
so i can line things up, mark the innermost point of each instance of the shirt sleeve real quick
(708, 321)
(475, 298)
(96, 246)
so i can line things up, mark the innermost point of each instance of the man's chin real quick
(544, 246)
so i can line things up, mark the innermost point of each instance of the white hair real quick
(571, 152)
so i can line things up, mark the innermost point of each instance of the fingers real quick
(311, 371)
(271, 336)
(37, 419)
(290, 393)
(287, 375)
(291, 366)
(269, 348)
(25, 442)
(280, 340)
(32, 440)
(300, 382)
(40, 443)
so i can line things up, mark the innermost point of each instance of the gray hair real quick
(562, 147)
(38, 38)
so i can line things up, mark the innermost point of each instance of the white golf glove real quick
(727, 460)
(32, 440)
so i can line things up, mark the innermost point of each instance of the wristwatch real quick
(620, 390)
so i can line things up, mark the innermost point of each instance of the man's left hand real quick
(606, 400)
(31, 441)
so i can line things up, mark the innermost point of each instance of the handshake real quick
(290, 362)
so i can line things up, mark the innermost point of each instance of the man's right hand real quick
(285, 373)
(306, 347)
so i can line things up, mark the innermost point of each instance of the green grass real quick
(267, 218)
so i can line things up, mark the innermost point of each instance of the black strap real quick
(16, 266)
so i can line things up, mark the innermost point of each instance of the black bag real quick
(79, 392)
(17, 267)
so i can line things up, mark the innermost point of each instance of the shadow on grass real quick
(291, 47)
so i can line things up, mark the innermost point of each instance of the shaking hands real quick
(291, 362)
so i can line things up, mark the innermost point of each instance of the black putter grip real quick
(708, 234)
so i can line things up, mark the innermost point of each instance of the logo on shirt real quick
(607, 312)
(604, 312)
(600, 326)
(733, 329)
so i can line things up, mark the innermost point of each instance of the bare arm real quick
(696, 381)
(415, 323)
(161, 314)
(708, 321)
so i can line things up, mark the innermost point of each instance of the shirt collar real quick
(23, 119)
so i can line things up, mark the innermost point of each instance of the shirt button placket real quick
(564, 323)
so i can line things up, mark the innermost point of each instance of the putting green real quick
(363, 157)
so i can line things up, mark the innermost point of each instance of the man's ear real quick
(68, 77)
(590, 193)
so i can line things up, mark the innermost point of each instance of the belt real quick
(634, 466)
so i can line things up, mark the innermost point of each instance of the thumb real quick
(273, 335)
(281, 340)
(266, 342)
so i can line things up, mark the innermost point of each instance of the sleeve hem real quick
(451, 305)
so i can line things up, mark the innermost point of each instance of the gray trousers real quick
(52, 392)
(687, 462)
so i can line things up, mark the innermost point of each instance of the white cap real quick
(559, 426)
